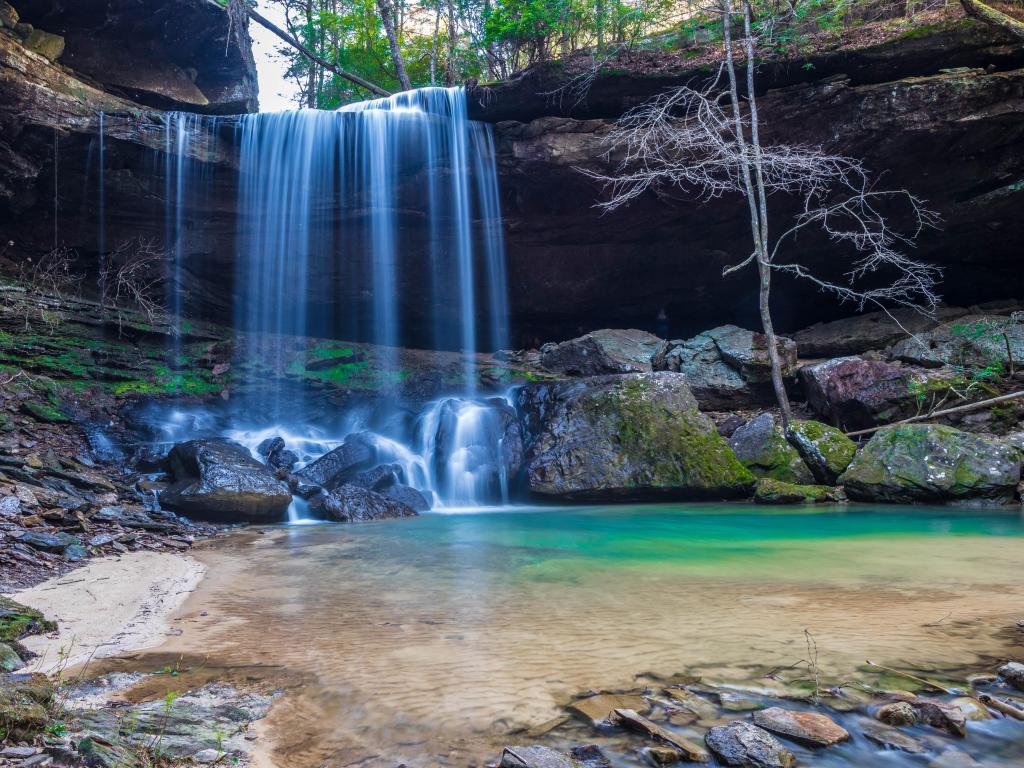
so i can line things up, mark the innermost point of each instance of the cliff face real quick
(938, 112)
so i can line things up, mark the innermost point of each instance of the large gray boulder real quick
(352, 504)
(932, 463)
(857, 393)
(220, 480)
(727, 367)
(633, 436)
(356, 453)
(869, 331)
(610, 350)
(972, 341)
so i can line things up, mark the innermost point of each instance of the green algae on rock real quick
(769, 491)
(18, 621)
(931, 462)
(834, 446)
(763, 449)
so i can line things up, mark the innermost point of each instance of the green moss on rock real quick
(769, 491)
(43, 412)
(931, 462)
(24, 705)
(18, 621)
(763, 449)
(837, 449)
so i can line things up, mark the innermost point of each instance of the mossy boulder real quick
(834, 447)
(769, 491)
(932, 463)
(10, 661)
(24, 705)
(43, 412)
(763, 449)
(634, 436)
(18, 621)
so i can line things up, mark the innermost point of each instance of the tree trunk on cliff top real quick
(986, 13)
(387, 17)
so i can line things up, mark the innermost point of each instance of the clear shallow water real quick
(432, 640)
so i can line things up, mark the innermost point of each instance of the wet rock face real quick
(219, 479)
(631, 436)
(930, 462)
(352, 504)
(338, 466)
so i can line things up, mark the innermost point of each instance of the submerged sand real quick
(110, 606)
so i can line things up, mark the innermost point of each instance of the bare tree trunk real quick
(449, 71)
(433, 46)
(763, 266)
(311, 82)
(387, 16)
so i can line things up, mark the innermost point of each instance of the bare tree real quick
(685, 138)
(387, 17)
(133, 281)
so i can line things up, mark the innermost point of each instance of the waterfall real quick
(378, 222)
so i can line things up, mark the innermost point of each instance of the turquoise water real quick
(449, 634)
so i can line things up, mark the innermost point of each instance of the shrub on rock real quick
(932, 463)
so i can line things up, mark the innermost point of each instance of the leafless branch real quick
(132, 280)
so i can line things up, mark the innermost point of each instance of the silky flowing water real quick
(439, 639)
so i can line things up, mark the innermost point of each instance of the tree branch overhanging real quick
(353, 78)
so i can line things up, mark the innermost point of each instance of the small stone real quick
(36, 761)
(894, 739)
(972, 708)
(51, 46)
(898, 713)
(954, 758)
(589, 756)
(75, 553)
(100, 540)
(18, 752)
(658, 756)
(26, 496)
(534, 757)
(1013, 673)
(9, 506)
(808, 728)
(207, 756)
(598, 708)
(744, 744)
(44, 541)
(939, 714)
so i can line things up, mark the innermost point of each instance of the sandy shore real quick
(110, 606)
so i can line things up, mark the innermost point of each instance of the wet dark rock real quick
(149, 458)
(601, 352)
(337, 467)
(763, 449)
(629, 436)
(276, 455)
(942, 715)
(898, 713)
(589, 756)
(494, 460)
(1013, 673)
(857, 393)
(930, 462)
(409, 496)
(352, 504)
(219, 479)
(379, 478)
(808, 728)
(867, 332)
(742, 744)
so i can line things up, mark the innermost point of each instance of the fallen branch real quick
(929, 683)
(948, 411)
(1001, 707)
(265, 23)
